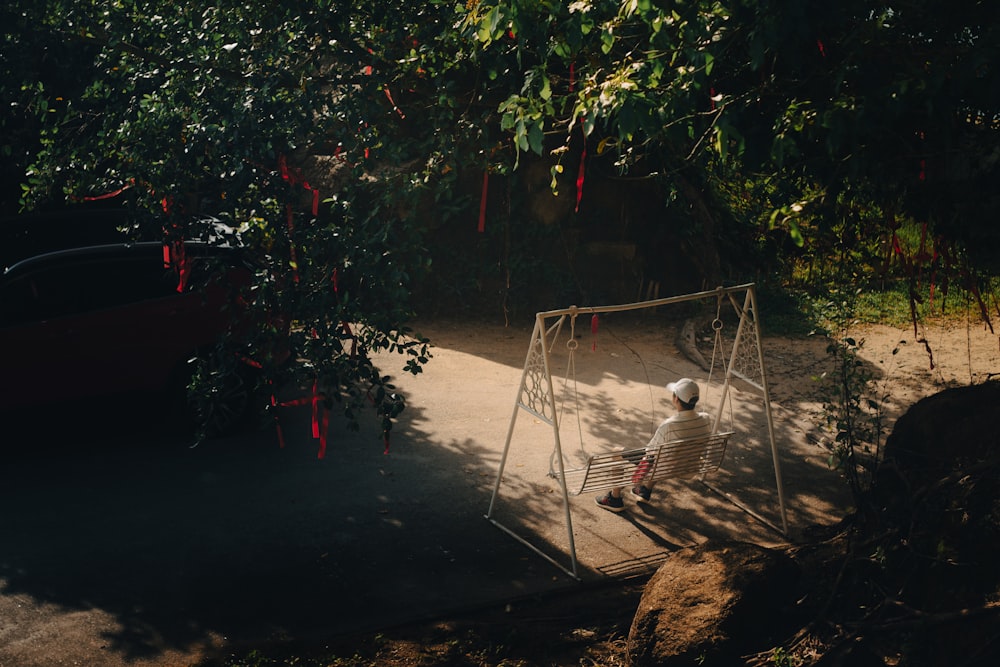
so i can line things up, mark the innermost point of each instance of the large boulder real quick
(943, 432)
(934, 509)
(712, 604)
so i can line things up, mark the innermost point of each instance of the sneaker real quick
(610, 503)
(642, 493)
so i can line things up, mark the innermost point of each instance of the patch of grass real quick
(798, 312)
(891, 307)
(932, 305)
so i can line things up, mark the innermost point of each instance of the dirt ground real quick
(908, 365)
(588, 626)
(444, 587)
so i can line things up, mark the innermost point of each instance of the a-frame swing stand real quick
(537, 396)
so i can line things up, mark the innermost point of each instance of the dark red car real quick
(101, 320)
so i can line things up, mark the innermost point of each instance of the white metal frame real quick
(536, 395)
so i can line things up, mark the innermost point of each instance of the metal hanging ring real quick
(717, 324)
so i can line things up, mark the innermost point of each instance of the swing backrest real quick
(674, 459)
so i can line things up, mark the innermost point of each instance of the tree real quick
(198, 111)
(893, 105)
(337, 134)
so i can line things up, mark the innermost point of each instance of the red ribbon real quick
(183, 266)
(593, 332)
(175, 258)
(315, 409)
(323, 434)
(173, 252)
(109, 195)
(294, 177)
(897, 248)
(482, 201)
(393, 103)
(320, 417)
(640, 471)
(580, 175)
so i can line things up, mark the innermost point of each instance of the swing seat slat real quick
(675, 459)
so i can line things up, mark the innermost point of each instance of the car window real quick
(18, 301)
(77, 285)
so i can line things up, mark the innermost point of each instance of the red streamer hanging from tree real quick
(174, 256)
(395, 108)
(482, 201)
(108, 195)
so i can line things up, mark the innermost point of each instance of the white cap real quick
(685, 389)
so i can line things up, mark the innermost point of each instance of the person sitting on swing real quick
(685, 424)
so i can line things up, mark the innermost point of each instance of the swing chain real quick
(571, 345)
(716, 349)
(717, 328)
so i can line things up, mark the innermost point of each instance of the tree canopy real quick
(336, 134)
(894, 104)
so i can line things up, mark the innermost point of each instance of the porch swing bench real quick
(671, 460)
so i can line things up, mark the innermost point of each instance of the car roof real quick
(150, 249)
(41, 233)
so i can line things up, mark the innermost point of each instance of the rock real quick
(936, 493)
(712, 604)
(940, 431)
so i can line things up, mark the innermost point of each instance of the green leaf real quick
(607, 38)
(521, 135)
(536, 137)
(589, 122)
(721, 145)
(796, 234)
(546, 92)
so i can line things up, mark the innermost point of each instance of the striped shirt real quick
(685, 424)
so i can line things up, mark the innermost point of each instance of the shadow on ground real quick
(121, 544)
